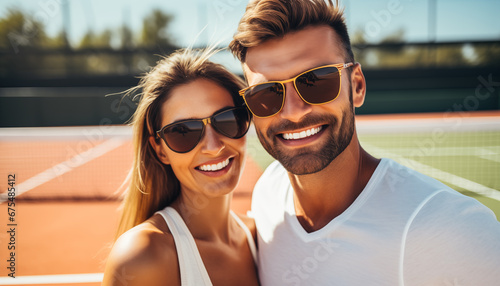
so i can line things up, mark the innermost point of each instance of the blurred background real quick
(59, 57)
(432, 69)
(64, 55)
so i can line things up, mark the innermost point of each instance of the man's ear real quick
(358, 85)
(158, 146)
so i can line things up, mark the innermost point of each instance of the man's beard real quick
(309, 160)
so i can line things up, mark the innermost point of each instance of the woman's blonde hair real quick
(268, 19)
(152, 184)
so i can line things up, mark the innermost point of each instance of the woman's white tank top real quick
(192, 269)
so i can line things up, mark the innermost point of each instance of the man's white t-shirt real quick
(403, 229)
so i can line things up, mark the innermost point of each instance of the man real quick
(329, 213)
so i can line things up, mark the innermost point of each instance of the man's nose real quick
(294, 107)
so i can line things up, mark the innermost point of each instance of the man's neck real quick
(322, 196)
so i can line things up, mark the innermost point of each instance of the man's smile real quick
(302, 134)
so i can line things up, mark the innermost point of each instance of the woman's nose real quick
(211, 142)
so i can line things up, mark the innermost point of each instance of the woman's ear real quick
(358, 85)
(159, 147)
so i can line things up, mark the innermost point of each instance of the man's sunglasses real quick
(182, 136)
(315, 86)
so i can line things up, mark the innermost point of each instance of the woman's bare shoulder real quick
(144, 255)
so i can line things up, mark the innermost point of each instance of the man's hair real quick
(268, 19)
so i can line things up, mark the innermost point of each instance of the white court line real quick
(52, 279)
(494, 158)
(494, 155)
(90, 133)
(451, 151)
(439, 174)
(491, 153)
(66, 166)
(447, 122)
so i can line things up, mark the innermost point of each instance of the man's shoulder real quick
(448, 208)
(397, 189)
(406, 181)
(458, 229)
(432, 201)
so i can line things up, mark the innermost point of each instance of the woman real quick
(177, 227)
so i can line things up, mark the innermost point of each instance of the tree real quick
(394, 56)
(359, 46)
(450, 55)
(384, 55)
(487, 54)
(103, 40)
(393, 53)
(126, 38)
(19, 30)
(92, 40)
(87, 40)
(154, 29)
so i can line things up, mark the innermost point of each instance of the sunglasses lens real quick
(183, 137)
(319, 86)
(232, 123)
(265, 99)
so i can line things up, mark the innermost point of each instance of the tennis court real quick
(66, 205)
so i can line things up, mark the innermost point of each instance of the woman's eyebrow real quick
(197, 118)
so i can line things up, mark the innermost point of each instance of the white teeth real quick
(215, 167)
(303, 134)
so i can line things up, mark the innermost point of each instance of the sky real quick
(202, 22)
(456, 19)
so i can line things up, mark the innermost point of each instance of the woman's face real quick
(214, 166)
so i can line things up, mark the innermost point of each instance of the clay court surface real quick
(66, 218)
(66, 209)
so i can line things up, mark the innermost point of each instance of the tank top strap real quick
(251, 241)
(192, 269)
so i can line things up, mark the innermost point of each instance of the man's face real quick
(304, 138)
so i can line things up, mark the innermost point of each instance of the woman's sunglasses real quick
(315, 86)
(182, 136)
